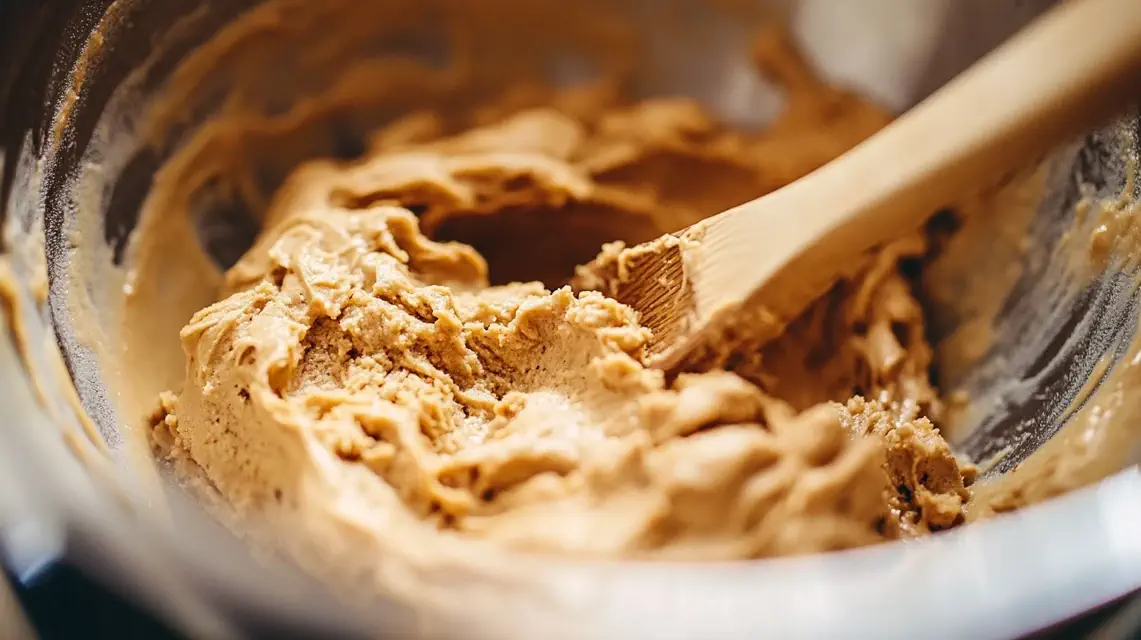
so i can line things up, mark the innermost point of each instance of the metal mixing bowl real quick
(61, 496)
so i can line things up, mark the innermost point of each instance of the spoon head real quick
(660, 280)
(651, 278)
(715, 289)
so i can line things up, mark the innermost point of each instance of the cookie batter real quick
(355, 334)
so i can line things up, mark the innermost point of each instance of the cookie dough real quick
(401, 320)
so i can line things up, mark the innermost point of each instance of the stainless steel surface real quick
(1124, 624)
(999, 579)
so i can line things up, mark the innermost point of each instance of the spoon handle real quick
(1058, 78)
(1062, 75)
(1065, 74)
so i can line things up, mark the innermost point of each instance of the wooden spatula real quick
(756, 266)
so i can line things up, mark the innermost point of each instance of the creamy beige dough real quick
(354, 335)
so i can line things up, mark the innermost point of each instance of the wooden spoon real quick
(756, 266)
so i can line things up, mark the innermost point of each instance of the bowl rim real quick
(1007, 578)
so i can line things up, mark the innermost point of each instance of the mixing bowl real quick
(79, 81)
